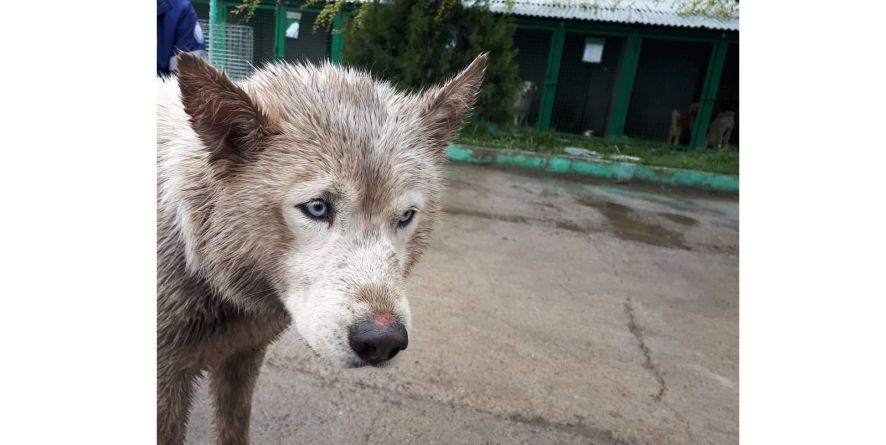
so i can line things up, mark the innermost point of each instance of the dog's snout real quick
(378, 340)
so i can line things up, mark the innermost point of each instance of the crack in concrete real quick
(578, 429)
(647, 353)
(597, 435)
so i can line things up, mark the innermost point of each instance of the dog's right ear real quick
(227, 120)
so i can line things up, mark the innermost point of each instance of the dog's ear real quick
(227, 120)
(448, 106)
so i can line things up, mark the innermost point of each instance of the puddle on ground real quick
(679, 219)
(540, 222)
(622, 221)
(546, 205)
(675, 203)
(548, 193)
(572, 227)
(452, 182)
(628, 225)
(486, 215)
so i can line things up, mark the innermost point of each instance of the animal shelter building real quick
(640, 70)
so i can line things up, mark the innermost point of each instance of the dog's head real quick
(325, 184)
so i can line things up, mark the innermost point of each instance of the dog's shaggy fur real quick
(239, 256)
(721, 130)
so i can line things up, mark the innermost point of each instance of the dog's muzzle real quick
(379, 340)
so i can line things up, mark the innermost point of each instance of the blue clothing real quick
(177, 31)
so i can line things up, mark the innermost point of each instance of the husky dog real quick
(523, 102)
(721, 130)
(304, 194)
(676, 128)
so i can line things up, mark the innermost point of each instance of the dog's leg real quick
(727, 136)
(173, 401)
(231, 387)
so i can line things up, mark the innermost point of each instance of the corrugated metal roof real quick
(646, 12)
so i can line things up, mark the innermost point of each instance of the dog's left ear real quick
(227, 120)
(448, 106)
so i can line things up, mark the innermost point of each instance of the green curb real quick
(619, 171)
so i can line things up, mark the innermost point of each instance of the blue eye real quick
(316, 209)
(405, 218)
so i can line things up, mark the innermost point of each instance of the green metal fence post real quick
(338, 41)
(625, 85)
(552, 74)
(216, 34)
(279, 31)
(709, 93)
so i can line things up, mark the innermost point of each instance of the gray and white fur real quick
(238, 255)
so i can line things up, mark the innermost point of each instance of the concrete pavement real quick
(546, 310)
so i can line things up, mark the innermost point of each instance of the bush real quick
(419, 43)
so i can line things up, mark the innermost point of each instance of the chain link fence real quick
(723, 128)
(233, 51)
(670, 77)
(284, 33)
(663, 102)
(263, 25)
(589, 69)
(532, 58)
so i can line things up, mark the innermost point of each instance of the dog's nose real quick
(378, 340)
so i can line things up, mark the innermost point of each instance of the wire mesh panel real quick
(670, 76)
(301, 42)
(723, 128)
(586, 86)
(264, 25)
(532, 59)
(233, 53)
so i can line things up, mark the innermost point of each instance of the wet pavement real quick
(546, 310)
